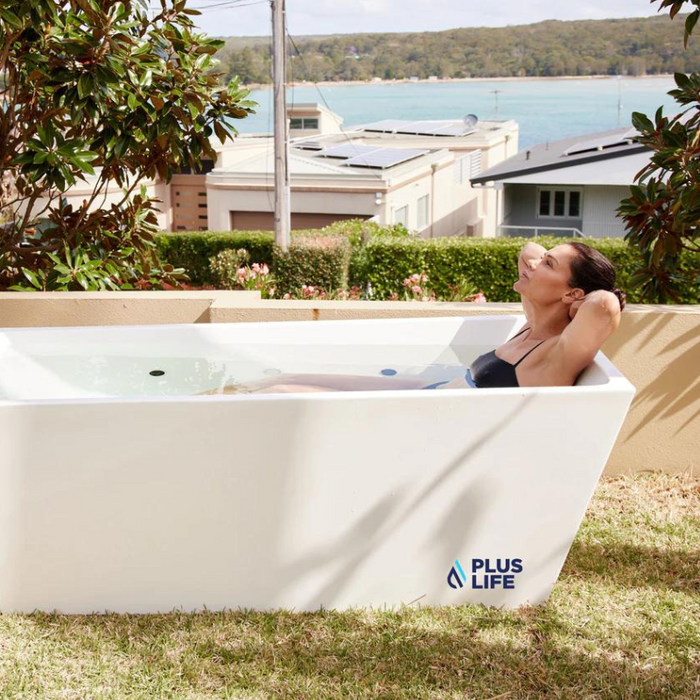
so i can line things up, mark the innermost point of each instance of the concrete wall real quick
(113, 194)
(656, 347)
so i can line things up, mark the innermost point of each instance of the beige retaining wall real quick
(657, 347)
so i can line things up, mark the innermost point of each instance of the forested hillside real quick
(591, 47)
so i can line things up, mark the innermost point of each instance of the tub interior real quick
(185, 360)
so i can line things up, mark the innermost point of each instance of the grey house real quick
(567, 188)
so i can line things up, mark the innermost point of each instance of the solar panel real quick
(597, 144)
(454, 130)
(428, 127)
(385, 157)
(309, 146)
(348, 150)
(387, 126)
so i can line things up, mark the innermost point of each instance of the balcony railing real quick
(507, 231)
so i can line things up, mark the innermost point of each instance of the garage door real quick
(265, 221)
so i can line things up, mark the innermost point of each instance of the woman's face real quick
(548, 282)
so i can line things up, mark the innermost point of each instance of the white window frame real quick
(396, 215)
(567, 202)
(304, 124)
(423, 211)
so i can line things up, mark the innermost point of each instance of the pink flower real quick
(479, 297)
(287, 296)
(416, 289)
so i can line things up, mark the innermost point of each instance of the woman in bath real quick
(571, 305)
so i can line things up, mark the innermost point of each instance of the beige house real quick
(394, 171)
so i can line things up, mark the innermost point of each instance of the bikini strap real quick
(528, 352)
(519, 332)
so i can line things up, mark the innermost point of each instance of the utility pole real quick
(279, 74)
(496, 93)
(619, 99)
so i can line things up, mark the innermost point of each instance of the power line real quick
(234, 6)
(318, 89)
(218, 6)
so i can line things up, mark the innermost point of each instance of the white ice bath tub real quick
(122, 491)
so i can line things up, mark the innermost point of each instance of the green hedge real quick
(319, 261)
(384, 257)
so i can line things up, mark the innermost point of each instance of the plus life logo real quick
(485, 574)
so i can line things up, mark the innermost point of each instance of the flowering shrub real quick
(230, 271)
(415, 288)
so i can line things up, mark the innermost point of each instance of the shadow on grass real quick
(532, 652)
(634, 566)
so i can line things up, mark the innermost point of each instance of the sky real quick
(252, 17)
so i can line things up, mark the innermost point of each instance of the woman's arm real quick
(595, 318)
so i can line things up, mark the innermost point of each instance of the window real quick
(562, 203)
(303, 123)
(475, 163)
(401, 216)
(467, 167)
(461, 170)
(423, 211)
(206, 166)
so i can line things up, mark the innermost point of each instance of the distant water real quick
(545, 109)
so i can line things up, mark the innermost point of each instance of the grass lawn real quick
(623, 621)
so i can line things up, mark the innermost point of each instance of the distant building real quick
(393, 171)
(417, 173)
(567, 187)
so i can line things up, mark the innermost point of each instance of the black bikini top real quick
(491, 371)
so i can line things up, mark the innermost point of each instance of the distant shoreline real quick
(406, 81)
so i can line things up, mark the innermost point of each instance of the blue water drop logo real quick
(457, 575)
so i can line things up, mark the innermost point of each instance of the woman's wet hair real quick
(591, 270)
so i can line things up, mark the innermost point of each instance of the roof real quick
(261, 163)
(580, 156)
(617, 171)
(297, 107)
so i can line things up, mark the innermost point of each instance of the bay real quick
(546, 110)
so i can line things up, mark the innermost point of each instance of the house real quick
(566, 188)
(416, 173)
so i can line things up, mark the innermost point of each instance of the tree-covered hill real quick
(636, 46)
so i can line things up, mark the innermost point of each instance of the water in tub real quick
(42, 373)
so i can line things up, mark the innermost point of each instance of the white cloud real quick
(351, 16)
